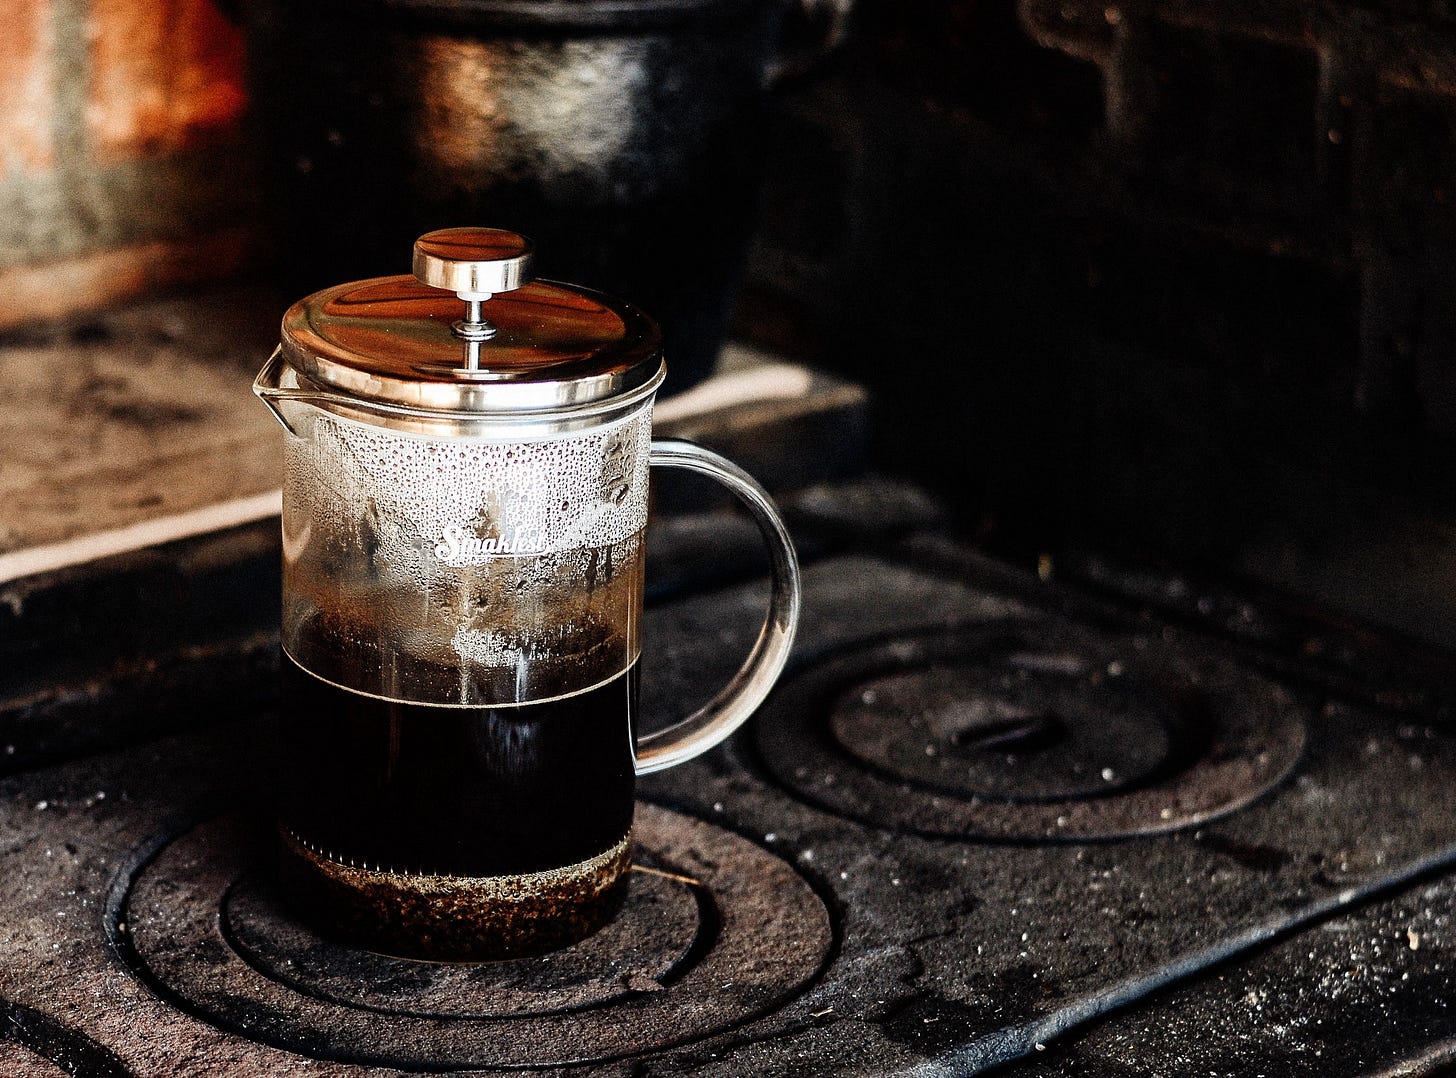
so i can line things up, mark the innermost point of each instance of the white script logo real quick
(458, 544)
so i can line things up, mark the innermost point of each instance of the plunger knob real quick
(475, 264)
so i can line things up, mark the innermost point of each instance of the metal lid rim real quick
(626, 366)
(319, 394)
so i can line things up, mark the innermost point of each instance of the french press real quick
(464, 505)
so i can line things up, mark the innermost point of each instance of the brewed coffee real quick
(459, 791)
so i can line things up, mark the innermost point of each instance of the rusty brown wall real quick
(123, 160)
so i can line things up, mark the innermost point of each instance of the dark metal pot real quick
(623, 136)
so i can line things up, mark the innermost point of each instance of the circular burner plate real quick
(1006, 727)
(716, 931)
(1029, 732)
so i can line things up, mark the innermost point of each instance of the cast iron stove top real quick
(984, 822)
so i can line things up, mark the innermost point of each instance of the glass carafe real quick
(465, 499)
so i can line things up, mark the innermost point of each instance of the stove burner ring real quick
(715, 932)
(1029, 733)
(33, 1044)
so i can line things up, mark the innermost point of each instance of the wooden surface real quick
(133, 415)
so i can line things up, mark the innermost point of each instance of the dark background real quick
(1165, 279)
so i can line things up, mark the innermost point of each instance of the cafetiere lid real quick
(471, 333)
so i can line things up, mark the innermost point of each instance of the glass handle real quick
(737, 700)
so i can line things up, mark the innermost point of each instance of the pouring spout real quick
(269, 388)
